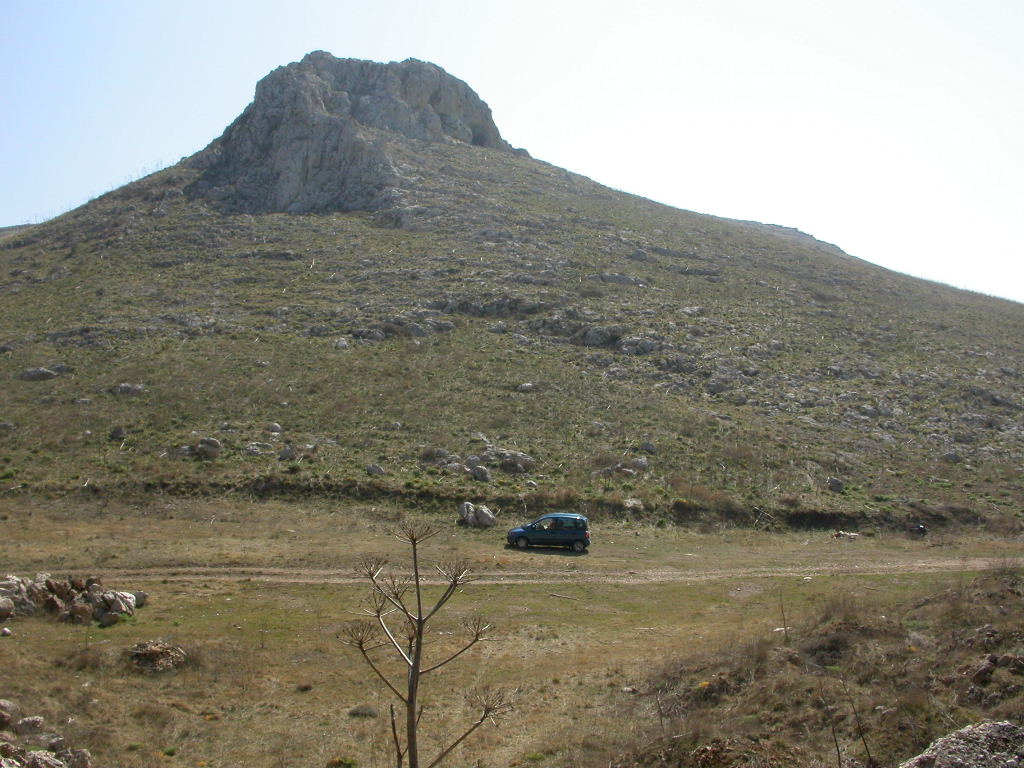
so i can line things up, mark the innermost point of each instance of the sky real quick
(891, 128)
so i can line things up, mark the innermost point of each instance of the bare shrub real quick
(397, 620)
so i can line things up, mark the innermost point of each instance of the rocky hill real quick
(361, 289)
(316, 136)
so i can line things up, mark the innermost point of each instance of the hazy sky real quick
(892, 128)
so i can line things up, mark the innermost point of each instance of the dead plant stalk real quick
(397, 603)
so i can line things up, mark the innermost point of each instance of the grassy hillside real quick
(680, 367)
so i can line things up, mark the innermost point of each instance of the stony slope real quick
(469, 301)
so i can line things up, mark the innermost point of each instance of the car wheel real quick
(522, 543)
(578, 546)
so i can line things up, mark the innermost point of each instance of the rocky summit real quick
(316, 136)
(360, 289)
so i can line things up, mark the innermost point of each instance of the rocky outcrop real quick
(986, 745)
(314, 138)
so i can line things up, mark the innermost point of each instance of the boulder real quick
(41, 759)
(29, 725)
(8, 712)
(110, 606)
(601, 336)
(79, 613)
(982, 675)
(38, 374)
(476, 515)
(6, 608)
(514, 462)
(208, 448)
(835, 485)
(485, 518)
(76, 758)
(125, 388)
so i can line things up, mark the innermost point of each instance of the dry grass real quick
(882, 675)
(257, 592)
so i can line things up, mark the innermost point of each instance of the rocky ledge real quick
(314, 138)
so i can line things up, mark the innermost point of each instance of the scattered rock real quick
(19, 744)
(125, 388)
(600, 336)
(292, 452)
(369, 334)
(983, 674)
(835, 485)
(38, 374)
(513, 462)
(985, 745)
(640, 464)
(481, 473)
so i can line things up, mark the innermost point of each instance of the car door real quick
(560, 533)
(543, 532)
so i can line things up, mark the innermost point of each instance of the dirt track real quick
(525, 576)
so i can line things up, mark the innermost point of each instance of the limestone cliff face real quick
(314, 138)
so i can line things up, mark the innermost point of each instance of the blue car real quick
(559, 529)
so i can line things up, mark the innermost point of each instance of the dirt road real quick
(523, 575)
